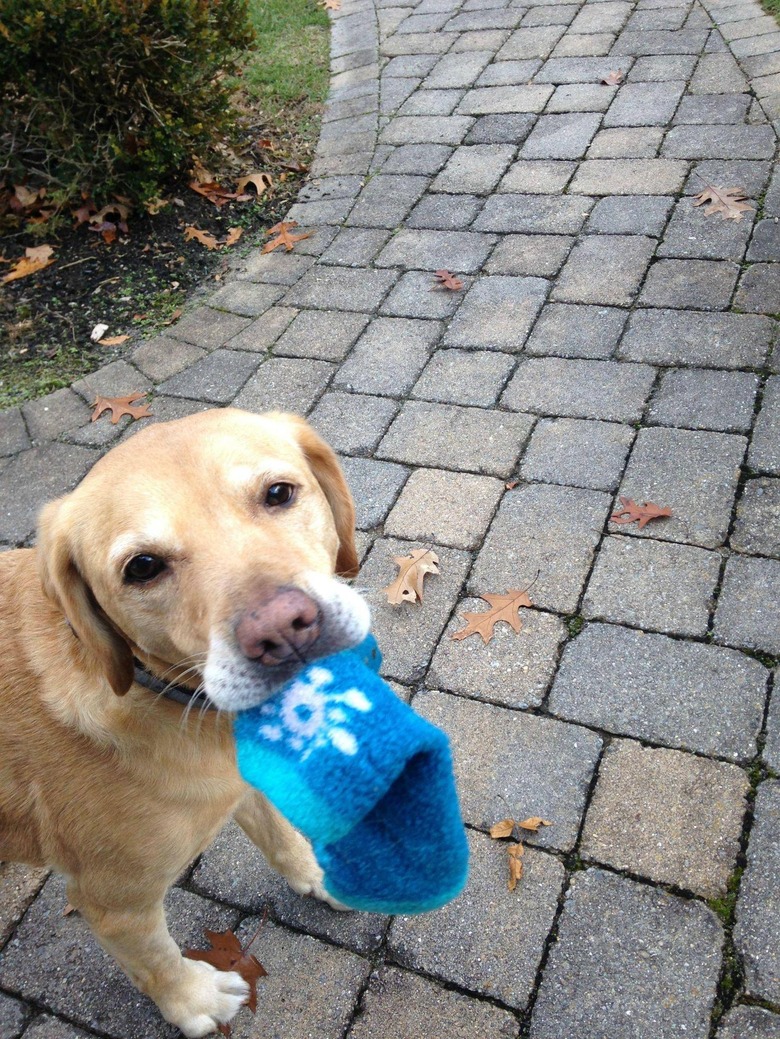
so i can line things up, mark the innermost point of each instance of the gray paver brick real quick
(375, 486)
(418, 158)
(682, 694)
(34, 477)
(426, 129)
(579, 70)
(112, 380)
(746, 615)
(513, 669)
(605, 269)
(502, 73)
(447, 508)
(216, 378)
(719, 142)
(477, 440)
(675, 337)
(542, 535)
(408, 635)
(416, 295)
(322, 334)
(660, 41)
(759, 289)
(232, 870)
(286, 384)
(464, 377)
(751, 175)
(580, 388)
(561, 136)
(461, 252)
(335, 288)
(698, 398)
(498, 129)
(18, 886)
(472, 942)
(652, 584)
(511, 99)
(691, 234)
(629, 177)
(444, 212)
(607, 16)
(749, 1023)
(533, 42)
(475, 168)
(645, 104)
(162, 357)
(581, 97)
(577, 453)
(386, 199)
(56, 413)
(276, 269)
(458, 70)
(487, 744)
(13, 432)
(713, 108)
(659, 67)
(765, 244)
(693, 473)
(707, 284)
(546, 214)
(757, 525)
(623, 944)
(45, 1027)
(389, 356)
(262, 333)
(626, 142)
(564, 330)
(209, 328)
(667, 815)
(630, 215)
(355, 246)
(352, 423)
(716, 74)
(758, 907)
(537, 255)
(397, 1002)
(13, 1017)
(765, 448)
(772, 745)
(497, 313)
(537, 176)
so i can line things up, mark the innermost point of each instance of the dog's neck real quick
(180, 694)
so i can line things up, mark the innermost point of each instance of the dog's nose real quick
(278, 628)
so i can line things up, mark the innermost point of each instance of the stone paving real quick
(611, 340)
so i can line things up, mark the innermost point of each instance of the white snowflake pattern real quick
(306, 717)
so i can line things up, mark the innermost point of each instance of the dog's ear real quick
(325, 466)
(65, 585)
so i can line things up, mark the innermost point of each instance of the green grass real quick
(286, 75)
(772, 6)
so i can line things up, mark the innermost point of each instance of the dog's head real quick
(207, 547)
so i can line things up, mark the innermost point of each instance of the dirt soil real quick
(135, 285)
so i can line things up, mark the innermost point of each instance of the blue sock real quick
(365, 778)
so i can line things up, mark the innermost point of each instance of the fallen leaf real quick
(448, 281)
(69, 909)
(114, 341)
(214, 192)
(408, 586)
(631, 512)
(204, 237)
(233, 235)
(728, 202)
(511, 485)
(119, 406)
(35, 259)
(282, 229)
(613, 79)
(502, 608)
(515, 852)
(533, 823)
(502, 829)
(227, 953)
(260, 181)
(154, 205)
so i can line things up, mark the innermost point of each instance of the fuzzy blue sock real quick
(365, 778)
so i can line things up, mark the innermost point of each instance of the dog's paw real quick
(308, 879)
(206, 998)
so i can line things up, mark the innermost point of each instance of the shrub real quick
(114, 95)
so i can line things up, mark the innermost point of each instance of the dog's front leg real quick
(192, 995)
(284, 848)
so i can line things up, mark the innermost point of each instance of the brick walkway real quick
(612, 340)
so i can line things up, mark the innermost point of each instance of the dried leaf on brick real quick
(728, 203)
(631, 512)
(408, 586)
(502, 608)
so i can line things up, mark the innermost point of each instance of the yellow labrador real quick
(200, 553)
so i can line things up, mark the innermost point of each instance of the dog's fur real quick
(102, 780)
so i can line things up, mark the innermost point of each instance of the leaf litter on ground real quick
(515, 852)
(119, 406)
(632, 513)
(502, 608)
(728, 203)
(408, 585)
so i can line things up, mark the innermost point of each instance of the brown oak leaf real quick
(533, 823)
(502, 608)
(261, 182)
(204, 237)
(114, 341)
(728, 202)
(282, 230)
(119, 406)
(408, 586)
(227, 953)
(502, 829)
(214, 192)
(631, 512)
(34, 260)
(613, 79)
(515, 853)
(448, 281)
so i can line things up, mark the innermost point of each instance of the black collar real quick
(178, 693)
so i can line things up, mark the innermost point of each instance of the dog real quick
(200, 557)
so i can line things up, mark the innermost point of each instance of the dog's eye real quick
(279, 494)
(143, 568)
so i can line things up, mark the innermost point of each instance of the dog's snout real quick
(279, 627)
